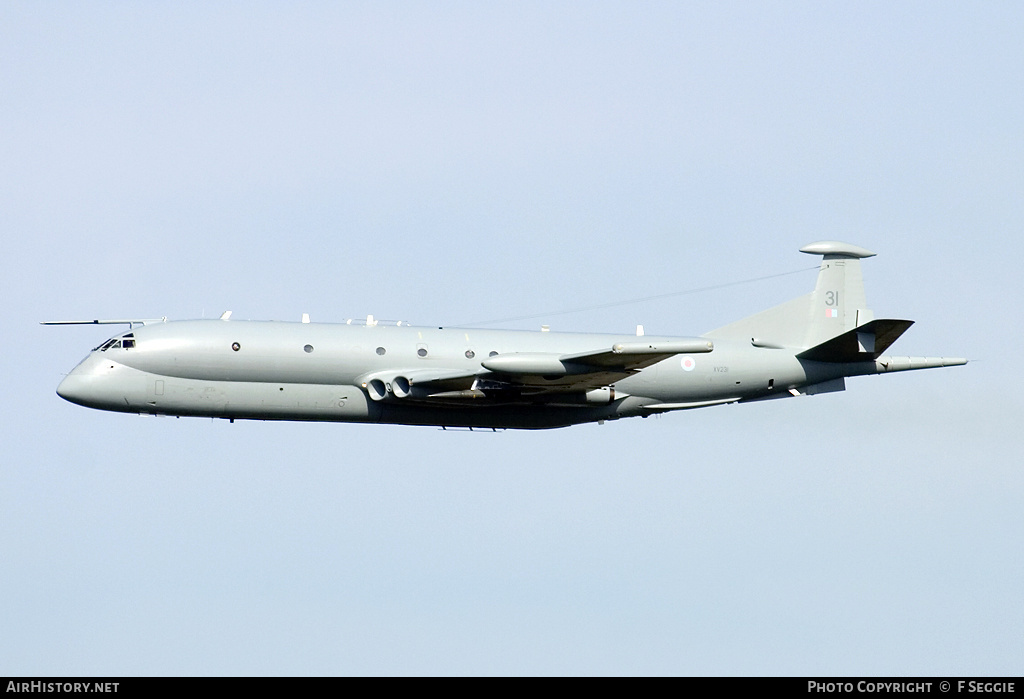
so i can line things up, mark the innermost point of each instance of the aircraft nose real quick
(81, 389)
(73, 389)
(96, 383)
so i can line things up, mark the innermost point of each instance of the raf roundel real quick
(688, 363)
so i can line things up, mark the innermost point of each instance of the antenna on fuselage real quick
(130, 322)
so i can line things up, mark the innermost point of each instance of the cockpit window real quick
(125, 341)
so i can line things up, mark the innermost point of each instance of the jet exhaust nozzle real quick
(377, 389)
(401, 387)
(600, 395)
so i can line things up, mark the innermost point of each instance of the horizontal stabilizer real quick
(863, 343)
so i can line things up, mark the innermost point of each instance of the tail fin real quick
(838, 303)
(836, 306)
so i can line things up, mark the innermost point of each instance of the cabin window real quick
(307, 349)
(422, 351)
(235, 346)
(381, 351)
(470, 354)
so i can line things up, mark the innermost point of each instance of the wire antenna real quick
(643, 299)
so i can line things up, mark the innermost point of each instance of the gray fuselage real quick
(316, 371)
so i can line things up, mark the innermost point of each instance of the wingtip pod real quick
(885, 365)
(834, 247)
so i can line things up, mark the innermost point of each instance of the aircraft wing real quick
(637, 355)
(530, 376)
(543, 372)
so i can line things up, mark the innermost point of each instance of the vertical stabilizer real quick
(838, 303)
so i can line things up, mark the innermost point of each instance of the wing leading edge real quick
(530, 375)
(592, 369)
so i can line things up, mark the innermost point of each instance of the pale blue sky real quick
(454, 162)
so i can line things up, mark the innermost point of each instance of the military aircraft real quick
(379, 372)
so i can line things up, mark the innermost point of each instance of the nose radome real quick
(74, 388)
(82, 386)
(71, 389)
(94, 383)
